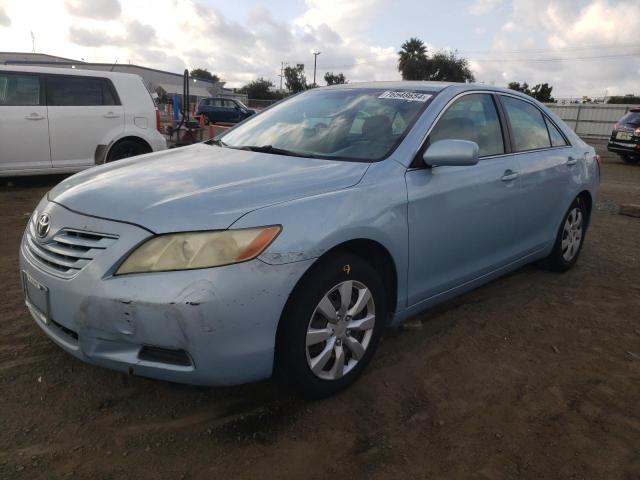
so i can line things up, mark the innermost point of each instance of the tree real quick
(413, 59)
(414, 63)
(448, 67)
(259, 89)
(541, 91)
(628, 99)
(332, 79)
(295, 79)
(524, 88)
(204, 74)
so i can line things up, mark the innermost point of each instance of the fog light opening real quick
(169, 356)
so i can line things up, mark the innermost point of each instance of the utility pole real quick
(282, 64)
(315, 63)
(33, 42)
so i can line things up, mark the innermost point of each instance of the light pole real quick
(315, 63)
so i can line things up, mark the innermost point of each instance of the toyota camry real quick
(289, 242)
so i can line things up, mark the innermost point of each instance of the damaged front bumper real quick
(214, 326)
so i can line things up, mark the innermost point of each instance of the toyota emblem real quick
(43, 225)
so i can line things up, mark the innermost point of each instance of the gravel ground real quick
(536, 375)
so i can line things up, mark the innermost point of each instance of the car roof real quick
(432, 87)
(398, 85)
(65, 71)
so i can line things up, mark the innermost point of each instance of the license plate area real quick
(36, 297)
(623, 135)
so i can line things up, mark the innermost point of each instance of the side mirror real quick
(451, 153)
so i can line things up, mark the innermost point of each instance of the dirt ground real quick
(536, 375)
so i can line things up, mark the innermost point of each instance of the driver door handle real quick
(34, 116)
(509, 175)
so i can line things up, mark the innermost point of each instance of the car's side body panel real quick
(375, 209)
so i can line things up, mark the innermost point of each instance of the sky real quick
(580, 47)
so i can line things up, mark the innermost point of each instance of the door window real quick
(527, 125)
(557, 140)
(474, 118)
(75, 91)
(19, 89)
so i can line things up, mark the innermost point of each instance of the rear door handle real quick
(572, 161)
(509, 175)
(34, 116)
(111, 115)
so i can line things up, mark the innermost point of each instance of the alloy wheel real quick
(572, 234)
(340, 330)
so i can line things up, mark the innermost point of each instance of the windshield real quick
(632, 118)
(350, 124)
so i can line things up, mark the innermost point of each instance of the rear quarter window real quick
(77, 91)
(632, 117)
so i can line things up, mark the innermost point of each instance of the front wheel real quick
(331, 326)
(569, 239)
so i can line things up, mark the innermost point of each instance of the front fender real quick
(375, 209)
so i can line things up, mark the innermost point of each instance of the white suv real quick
(55, 120)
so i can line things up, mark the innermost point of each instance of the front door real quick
(84, 112)
(24, 126)
(461, 219)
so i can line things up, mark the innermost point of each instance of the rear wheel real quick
(569, 239)
(629, 159)
(126, 149)
(331, 326)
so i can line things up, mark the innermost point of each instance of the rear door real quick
(461, 219)
(84, 112)
(24, 128)
(546, 163)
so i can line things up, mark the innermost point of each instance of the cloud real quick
(576, 48)
(350, 17)
(483, 7)
(178, 34)
(95, 9)
(140, 34)
(5, 21)
(92, 38)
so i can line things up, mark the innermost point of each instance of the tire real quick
(126, 149)
(305, 318)
(569, 239)
(628, 159)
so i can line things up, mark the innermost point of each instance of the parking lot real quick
(536, 375)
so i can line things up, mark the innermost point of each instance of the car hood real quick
(199, 187)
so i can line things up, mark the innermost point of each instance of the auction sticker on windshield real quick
(408, 96)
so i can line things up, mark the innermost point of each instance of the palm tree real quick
(413, 59)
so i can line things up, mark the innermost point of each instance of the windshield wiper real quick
(274, 150)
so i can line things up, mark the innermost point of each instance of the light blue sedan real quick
(292, 240)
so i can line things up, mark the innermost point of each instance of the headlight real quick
(185, 251)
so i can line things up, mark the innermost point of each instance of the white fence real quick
(591, 121)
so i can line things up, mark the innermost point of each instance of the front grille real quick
(69, 251)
